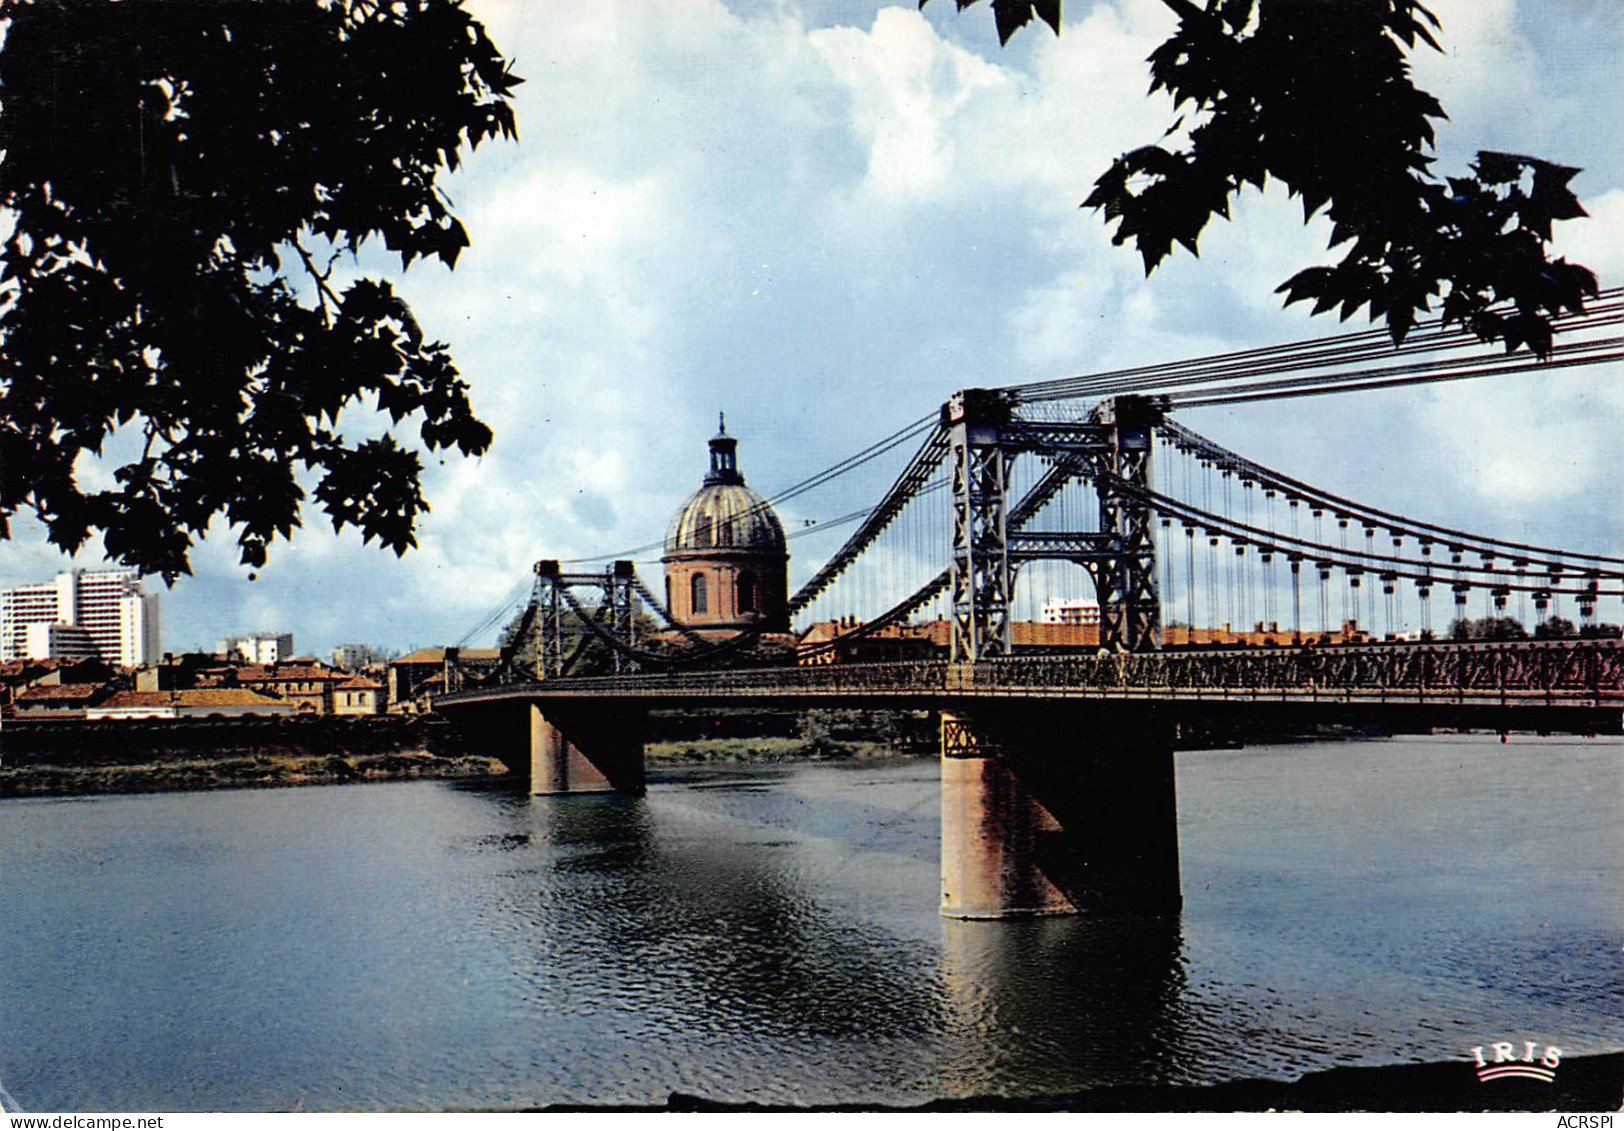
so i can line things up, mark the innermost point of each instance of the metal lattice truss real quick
(1589, 671)
(982, 582)
(614, 617)
(1586, 673)
(1112, 449)
(609, 615)
(1130, 607)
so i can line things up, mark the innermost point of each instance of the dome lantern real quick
(724, 452)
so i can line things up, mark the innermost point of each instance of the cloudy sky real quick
(823, 217)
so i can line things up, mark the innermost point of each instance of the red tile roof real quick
(59, 692)
(141, 699)
(200, 697)
(285, 673)
(437, 655)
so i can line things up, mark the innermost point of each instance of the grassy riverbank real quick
(149, 755)
(760, 751)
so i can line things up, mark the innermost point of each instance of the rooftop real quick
(59, 692)
(437, 655)
(201, 697)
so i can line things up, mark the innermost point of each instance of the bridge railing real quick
(1583, 671)
(1573, 673)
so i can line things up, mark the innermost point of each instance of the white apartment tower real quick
(259, 647)
(105, 609)
(1070, 612)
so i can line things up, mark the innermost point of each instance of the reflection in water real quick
(1059, 1002)
(730, 932)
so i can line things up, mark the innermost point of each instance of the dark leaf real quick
(1012, 15)
(1499, 168)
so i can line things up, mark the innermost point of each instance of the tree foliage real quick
(1554, 628)
(1509, 628)
(1487, 628)
(1317, 94)
(181, 180)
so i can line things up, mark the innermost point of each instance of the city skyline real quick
(79, 614)
(823, 219)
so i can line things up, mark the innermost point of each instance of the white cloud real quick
(1596, 240)
(1514, 459)
(1484, 60)
(581, 222)
(906, 85)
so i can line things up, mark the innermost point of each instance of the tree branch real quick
(323, 290)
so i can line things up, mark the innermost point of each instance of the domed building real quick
(726, 564)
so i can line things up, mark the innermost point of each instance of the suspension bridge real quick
(1225, 590)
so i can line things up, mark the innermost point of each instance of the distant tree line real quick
(1508, 628)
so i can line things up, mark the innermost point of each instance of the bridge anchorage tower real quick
(615, 613)
(1112, 450)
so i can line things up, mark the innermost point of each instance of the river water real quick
(771, 934)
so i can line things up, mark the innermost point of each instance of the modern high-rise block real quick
(105, 609)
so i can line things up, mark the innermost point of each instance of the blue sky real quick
(823, 218)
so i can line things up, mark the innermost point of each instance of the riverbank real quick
(764, 751)
(229, 772)
(68, 758)
(266, 771)
(1582, 1084)
(149, 756)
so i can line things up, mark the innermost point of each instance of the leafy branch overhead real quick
(182, 178)
(1318, 96)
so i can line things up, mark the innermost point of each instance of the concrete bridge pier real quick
(1053, 810)
(600, 752)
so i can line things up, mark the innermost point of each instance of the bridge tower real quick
(1054, 808)
(1112, 450)
(615, 614)
(580, 751)
(978, 423)
(1125, 578)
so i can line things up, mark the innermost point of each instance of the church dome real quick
(724, 514)
(726, 565)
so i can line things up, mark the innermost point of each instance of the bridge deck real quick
(1531, 678)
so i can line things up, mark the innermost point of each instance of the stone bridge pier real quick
(597, 751)
(1046, 809)
(597, 748)
(1054, 809)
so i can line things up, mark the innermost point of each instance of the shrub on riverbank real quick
(236, 773)
(819, 748)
